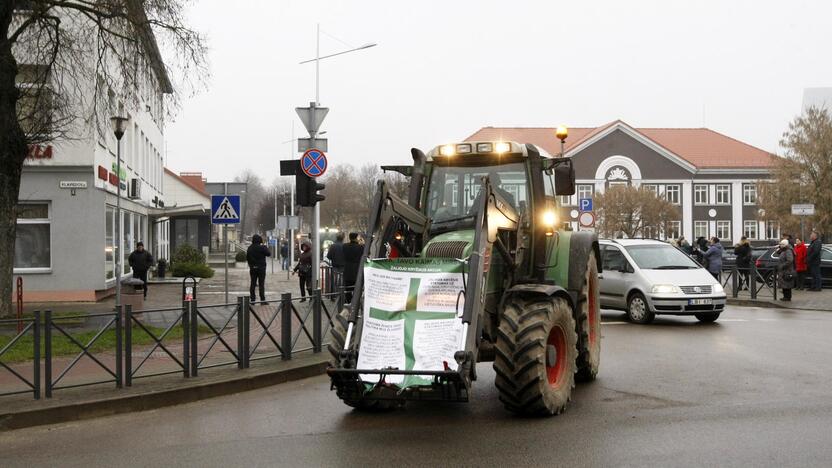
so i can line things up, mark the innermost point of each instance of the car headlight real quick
(665, 289)
(718, 289)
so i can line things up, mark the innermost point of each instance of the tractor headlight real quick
(502, 147)
(665, 289)
(485, 147)
(463, 148)
(447, 150)
(549, 218)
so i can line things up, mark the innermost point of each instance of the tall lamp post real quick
(562, 132)
(119, 124)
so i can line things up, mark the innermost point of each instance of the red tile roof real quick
(193, 180)
(702, 147)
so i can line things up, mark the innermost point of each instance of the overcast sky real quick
(444, 69)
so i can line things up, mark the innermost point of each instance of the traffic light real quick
(307, 190)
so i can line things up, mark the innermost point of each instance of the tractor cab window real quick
(453, 190)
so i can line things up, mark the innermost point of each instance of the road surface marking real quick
(614, 323)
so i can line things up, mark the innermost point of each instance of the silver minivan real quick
(647, 277)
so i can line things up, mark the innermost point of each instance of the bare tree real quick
(254, 197)
(62, 62)
(633, 212)
(804, 175)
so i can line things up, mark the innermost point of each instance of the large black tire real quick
(527, 383)
(637, 309)
(339, 336)
(707, 317)
(589, 324)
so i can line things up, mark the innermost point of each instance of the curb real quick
(769, 305)
(191, 392)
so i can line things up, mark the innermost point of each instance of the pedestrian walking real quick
(140, 261)
(743, 253)
(800, 265)
(304, 270)
(256, 258)
(813, 253)
(352, 262)
(713, 257)
(335, 255)
(785, 268)
(284, 256)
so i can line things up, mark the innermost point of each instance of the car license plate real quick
(700, 301)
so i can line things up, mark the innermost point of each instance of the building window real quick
(723, 230)
(651, 187)
(671, 193)
(772, 230)
(674, 230)
(33, 245)
(749, 194)
(35, 104)
(566, 200)
(723, 195)
(749, 229)
(700, 229)
(700, 194)
(584, 191)
(109, 243)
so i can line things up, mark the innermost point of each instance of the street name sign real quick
(313, 163)
(73, 184)
(225, 209)
(288, 222)
(306, 144)
(803, 209)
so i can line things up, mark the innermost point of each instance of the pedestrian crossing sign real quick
(225, 209)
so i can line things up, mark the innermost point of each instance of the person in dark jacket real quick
(813, 261)
(743, 253)
(713, 257)
(785, 268)
(352, 262)
(335, 255)
(140, 261)
(304, 270)
(256, 258)
(683, 244)
(284, 256)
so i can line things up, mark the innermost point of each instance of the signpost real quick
(803, 210)
(585, 204)
(314, 163)
(587, 220)
(225, 210)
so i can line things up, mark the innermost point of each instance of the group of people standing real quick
(794, 260)
(706, 252)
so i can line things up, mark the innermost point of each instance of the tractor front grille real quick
(446, 249)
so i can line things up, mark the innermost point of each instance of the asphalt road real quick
(754, 389)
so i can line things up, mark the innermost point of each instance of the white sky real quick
(444, 69)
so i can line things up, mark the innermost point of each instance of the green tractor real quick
(529, 295)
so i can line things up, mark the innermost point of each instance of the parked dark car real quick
(767, 264)
(729, 259)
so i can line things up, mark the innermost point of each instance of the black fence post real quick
(241, 362)
(186, 339)
(194, 341)
(119, 349)
(734, 277)
(47, 349)
(340, 303)
(247, 330)
(753, 279)
(774, 283)
(36, 355)
(286, 326)
(316, 321)
(128, 345)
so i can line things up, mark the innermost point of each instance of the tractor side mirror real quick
(564, 177)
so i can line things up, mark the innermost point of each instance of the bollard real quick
(36, 352)
(47, 350)
(247, 330)
(734, 275)
(186, 338)
(240, 361)
(774, 283)
(316, 321)
(19, 304)
(286, 326)
(194, 342)
(128, 343)
(119, 344)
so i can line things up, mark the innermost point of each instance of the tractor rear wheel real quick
(589, 324)
(339, 337)
(535, 355)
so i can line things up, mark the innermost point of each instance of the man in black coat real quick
(352, 262)
(140, 261)
(813, 255)
(335, 255)
(256, 258)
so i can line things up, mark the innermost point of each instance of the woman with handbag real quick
(785, 268)
(304, 270)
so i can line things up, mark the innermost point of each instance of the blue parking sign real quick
(225, 209)
(585, 204)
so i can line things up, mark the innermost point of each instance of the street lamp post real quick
(119, 124)
(562, 132)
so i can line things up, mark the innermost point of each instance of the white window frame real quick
(749, 194)
(584, 188)
(677, 190)
(722, 229)
(696, 226)
(652, 187)
(749, 229)
(727, 192)
(700, 189)
(47, 220)
(772, 230)
(674, 230)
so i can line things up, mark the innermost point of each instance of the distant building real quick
(817, 97)
(186, 217)
(710, 176)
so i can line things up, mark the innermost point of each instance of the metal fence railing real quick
(752, 281)
(133, 344)
(25, 327)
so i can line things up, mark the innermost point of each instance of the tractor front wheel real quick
(535, 355)
(589, 324)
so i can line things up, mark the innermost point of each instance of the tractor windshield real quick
(453, 190)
